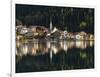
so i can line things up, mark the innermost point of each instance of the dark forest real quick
(71, 18)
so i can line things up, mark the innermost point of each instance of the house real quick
(24, 30)
(80, 36)
(91, 37)
(55, 34)
(21, 29)
(18, 26)
(38, 29)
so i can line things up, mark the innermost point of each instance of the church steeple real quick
(50, 24)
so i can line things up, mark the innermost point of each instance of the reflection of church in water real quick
(39, 48)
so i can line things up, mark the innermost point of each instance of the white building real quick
(24, 30)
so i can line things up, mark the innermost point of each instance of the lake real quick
(42, 55)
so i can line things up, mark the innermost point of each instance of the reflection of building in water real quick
(81, 44)
(70, 44)
(63, 45)
(51, 55)
(25, 49)
(40, 48)
(91, 43)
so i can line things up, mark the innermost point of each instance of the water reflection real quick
(40, 47)
(53, 55)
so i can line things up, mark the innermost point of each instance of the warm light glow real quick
(55, 47)
(25, 49)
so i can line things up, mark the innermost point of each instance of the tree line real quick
(69, 18)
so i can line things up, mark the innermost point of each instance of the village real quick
(41, 32)
(50, 38)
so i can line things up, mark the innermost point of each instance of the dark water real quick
(35, 56)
